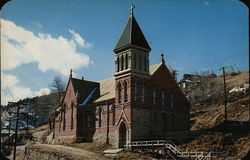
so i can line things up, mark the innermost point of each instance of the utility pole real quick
(27, 122)
(9, 132)
(225, 91)
(54, 125)
(249, 111)
(1, 128)
(17, 119)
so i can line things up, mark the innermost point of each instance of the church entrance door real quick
(122, 135)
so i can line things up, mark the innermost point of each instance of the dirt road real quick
(74, 152)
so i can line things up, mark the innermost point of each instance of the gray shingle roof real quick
(107, 90)
(131, 35)
(83, 88)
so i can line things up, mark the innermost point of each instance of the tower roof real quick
(132, 36)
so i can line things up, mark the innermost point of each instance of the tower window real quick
(154, 96)
(126, 61)
(119, 94)
(136, 92)
(122, 63)
(125, 92)
(118, 64)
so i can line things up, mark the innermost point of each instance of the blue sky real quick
(45, 38)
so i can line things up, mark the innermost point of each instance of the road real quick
(74, 152)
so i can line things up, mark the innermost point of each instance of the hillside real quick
(211, 110)
(229, 140)
(211, 92)
(39, 110)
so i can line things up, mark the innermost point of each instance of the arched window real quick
(142, 94)
(113, 111)
(119, 93)
(122, 63)
(172, 101)
(126, 61)
(125, 92)
(64, 117)
(154, 96)
(135, 91)
(163, 98)
(134, 61)
(145, 64)
(72, 116)
(118, 64)
(100, 118)
(88, 120)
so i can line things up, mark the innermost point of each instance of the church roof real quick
(82, 88)
(132, 35)
(107, 86)
(107, 89)
(154, 68)
(99, 91)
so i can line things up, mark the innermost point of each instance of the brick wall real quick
(70, 128)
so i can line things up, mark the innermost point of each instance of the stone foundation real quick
(102, 138)
(66, 140)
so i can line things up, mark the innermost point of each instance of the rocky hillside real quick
(211, 92)
(37, 110)
(231, 139)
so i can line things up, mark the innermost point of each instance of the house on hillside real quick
(140, 102)
(190, 80)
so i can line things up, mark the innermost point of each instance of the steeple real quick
(132, 36)
(132, 50)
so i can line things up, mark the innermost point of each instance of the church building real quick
(141, 101)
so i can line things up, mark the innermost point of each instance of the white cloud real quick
(8, 80)
(79, 40)
(12, 91)
(206, 3)
(37, 25)
(21, 46)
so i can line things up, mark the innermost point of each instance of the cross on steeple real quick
(162, 58)
(132, 7)
(70, 73)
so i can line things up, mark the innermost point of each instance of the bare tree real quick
(57, 87)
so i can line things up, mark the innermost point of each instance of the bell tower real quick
(131, 59)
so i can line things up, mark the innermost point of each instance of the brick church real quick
(141, 101)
